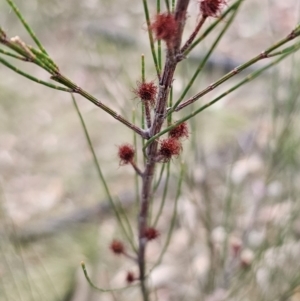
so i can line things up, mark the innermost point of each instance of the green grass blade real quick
(13, 55)
(167, 5)
(45, 60)
(159, 57)
(27, 27)
(103, 290)
(151, 40)
(163, 200)
(136, 176)
(205, 59)
(15, 69)
(129, 230)
(159, 178)
(170, 104)
(174, 216)
(173, 6)
(212, 26)
(99, 171)
(249, 78)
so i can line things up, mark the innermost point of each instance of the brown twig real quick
(159, 117)
(136, 168)
(26, 51)
(65, 81)
(263, 55)
(148, 114)
(193, 35)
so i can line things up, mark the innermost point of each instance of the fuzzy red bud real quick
(211, 8)
(130, 277)
(180, 131)
(146, 91)
(165, 27)
(151, 233)
(126, 153)
(117, 247)
(169, 147)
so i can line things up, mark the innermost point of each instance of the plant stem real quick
(30, 54)
(193, 35)
(136, 168)
(65, 81)
(159, 178)
(262, 55)
(151, 40)
(147, 114)
(160, 110)
(13, 55)
(136, 178)
(100, 174)
(167, 5)
(162, 203)
(248, 78)
(27, 27)
(103, 290)
(15, 69)
(204, 61)
(174, 215)
(211, 27)
(159, 41)
(142, 106)
(45, 62)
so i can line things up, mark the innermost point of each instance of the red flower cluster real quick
(151, 233)
(165, 27)
(130, 277)
(211, 8)
(117, 247)
(126, 154)
(180, 131)
(146, 91)
(169, 147)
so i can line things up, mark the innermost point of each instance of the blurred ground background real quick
(238, 228)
